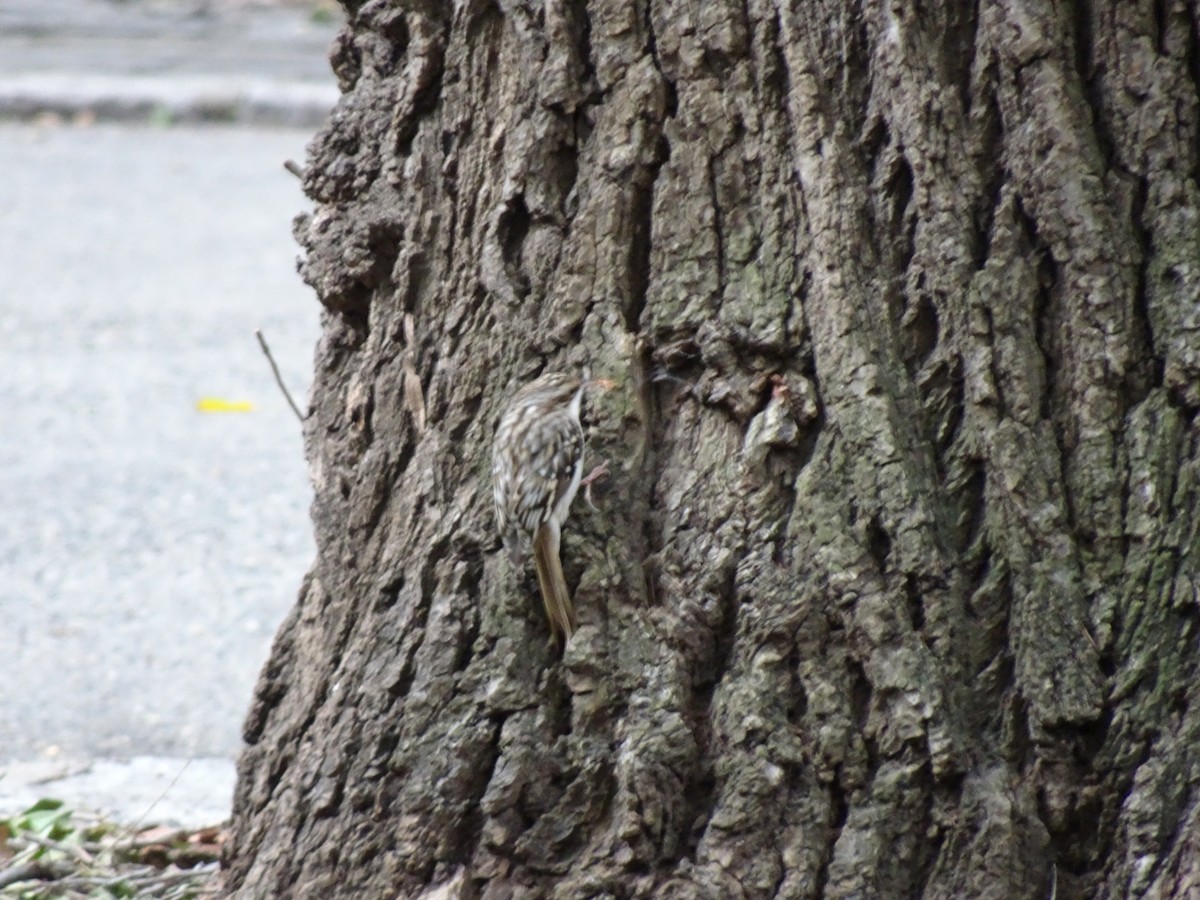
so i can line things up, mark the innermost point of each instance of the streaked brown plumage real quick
(537, 462)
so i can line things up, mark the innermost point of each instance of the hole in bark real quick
(389, 593)
(581, 28)
(900, 188)
(962, 62)
(358, 417)
(1094, 735)
(400, 685)
(874, 141)
(879, 543)
(717, 62)
(1045, 320)
(513, 227)
(841, 812)
(583, 124)
(1083, 45)
(1179, 702)
(699, 796)
(893, 302)
(854, 67)
(469, 589)
(418, 277)
(901, 223)
(725, 631)
(484, 15)
(279, 767)
(385, 746)
(775, 81)
(860, 695)
(914, 603)
(564, 173)
(672, 104)
(797, 701)
(642, 215)
(991, 139)
(1019, 740)
(353, 301)
(1160, 26)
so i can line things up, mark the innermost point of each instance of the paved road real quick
(179, 60)
(280, 40)
(147, 550)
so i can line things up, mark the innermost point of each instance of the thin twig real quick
(174, 781)
(262, 342)
(75, 851)
(139, 878)
(99, 863)
(134, 843)
(294, 167)
(38, 870)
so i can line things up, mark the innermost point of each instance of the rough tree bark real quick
(893, 589)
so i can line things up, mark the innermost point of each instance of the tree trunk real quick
(893, 589)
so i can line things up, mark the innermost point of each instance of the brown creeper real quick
(537, 461)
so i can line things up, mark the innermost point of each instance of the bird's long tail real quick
(555, 595)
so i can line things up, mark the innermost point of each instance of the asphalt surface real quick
(168, 60)
(148, 548)
(284, 41)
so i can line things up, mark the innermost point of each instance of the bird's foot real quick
(592, 477)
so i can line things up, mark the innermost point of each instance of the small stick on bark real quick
(414, 397)
(262, 342)
(294, 167)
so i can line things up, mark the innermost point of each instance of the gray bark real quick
(892, 591)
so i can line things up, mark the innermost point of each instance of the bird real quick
(537, 467)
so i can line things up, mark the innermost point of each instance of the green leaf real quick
(122, 889)
(46, 803)
(48, 817)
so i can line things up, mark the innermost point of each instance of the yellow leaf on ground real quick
(219, 405)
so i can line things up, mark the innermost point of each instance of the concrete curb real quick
(166, 100)
(146, 790)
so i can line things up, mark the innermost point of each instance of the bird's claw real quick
(595, 475)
